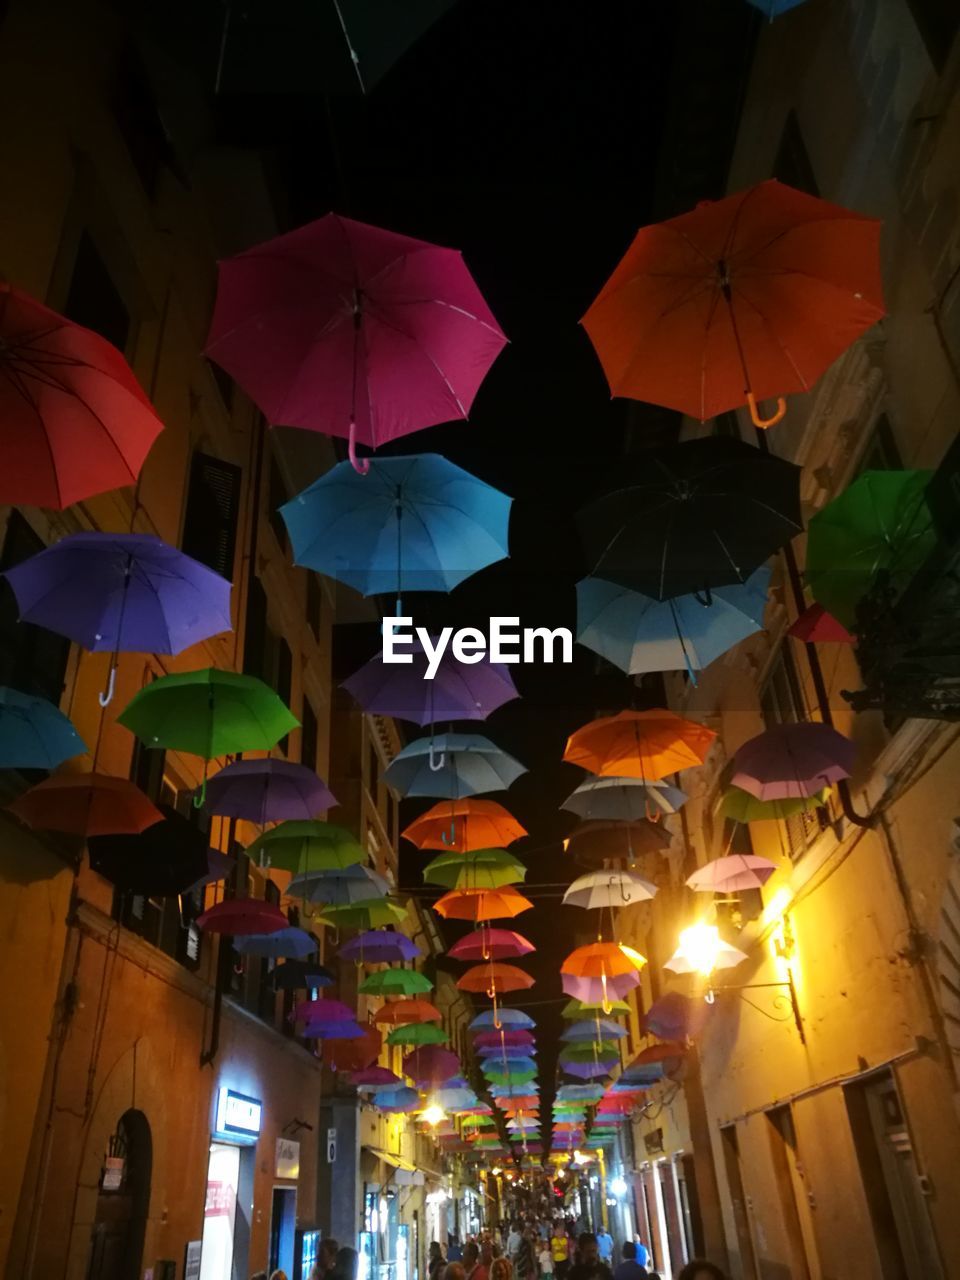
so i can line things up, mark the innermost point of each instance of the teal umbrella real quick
(34, 734)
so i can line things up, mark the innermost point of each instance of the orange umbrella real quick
(494, 979)
(639, 744)
(400, 1012)
(739, 300)
(464, 825)
(86, 804)
(482, 904)
(602, 960)
(352, 1055)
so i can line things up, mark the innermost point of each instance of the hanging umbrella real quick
(494, 1053)
(347, 1030)
(454, 1101)
(580, 1008)
(379, 946)
(511, 1065)
(594, 1029)
(86, 804)
(793, 760)
(121, 593)
(638, 633)
(359, 1053)
(375, 1078)
(725, 957)
(343, 888)
(731, 874)
(395, 982)
(431, 1065)
(508, 1037)
(480, 869)
(741, 806)
(263, 791)
(816, 626)
(879, 529)
(603, 960)
(323, 1010)
(580, 1092)
(623, 799)
(239, 916)
(494, 979)
(309, 847)
(453, 692)
(599, 843)
(401, 1012)
(298, 975)
(397, 1101)
(482, 904)
(514, 1018)
(293, 943)
(590, 1070)
(608, 888)
(490, 944)
(34, 734)
(369, 914)
(601, 990)
(75, 421)
(671, 1017)
(697, 516)
(353, 330)
(639, 744)
(736, 301)
(164, 860)
(453, 765)
(599, 1049)
(464, 825)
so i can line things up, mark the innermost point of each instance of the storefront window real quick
(220, 1212)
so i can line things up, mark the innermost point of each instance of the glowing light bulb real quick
(700, 946)
(433, 1114)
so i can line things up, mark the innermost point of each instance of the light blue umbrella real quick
(294, 944)
(601, 1029)
(638, 633)
(414, 523)
(514, 1066)
(339, 888)
(515, 1018)
(34, 734)
(623, 799)
(529, 1089)
(452, 766)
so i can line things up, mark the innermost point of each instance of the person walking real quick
(514, 1240)
(473, 1263)
(588, 1264)
(525, 1263)
(630, 1268)
(605, 1246)
(326, 1259)
(546, 1261)
(560, 1249)
(502, 1269)
(435, 1260)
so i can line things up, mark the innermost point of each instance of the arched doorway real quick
(116, 1242)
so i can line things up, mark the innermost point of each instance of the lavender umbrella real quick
(456, 692)
(590, 990)
(379, 946)
(263, 791)
(121, 593)
(793, 760)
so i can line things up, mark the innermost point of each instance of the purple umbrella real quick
(590, 990)
(456, 692)
(793, 760)
(323, 1010)
(333, 1031)
(121, 593)
(263, 791)
(379, 946)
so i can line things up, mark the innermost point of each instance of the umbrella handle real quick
(755, 413)
(106, 697)
(360, 465)
(436, 762)
(200, 797)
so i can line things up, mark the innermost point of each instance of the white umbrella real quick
(608, 889)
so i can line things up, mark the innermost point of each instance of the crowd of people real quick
(333, 1263)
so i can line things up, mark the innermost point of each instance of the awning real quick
(388, 1157)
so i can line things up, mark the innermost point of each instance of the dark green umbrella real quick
(395, 982)
(303, 846)
(743, 807)
(418, 1033)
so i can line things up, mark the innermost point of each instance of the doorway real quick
(792, 1194)
(220, 1212)
(120, 1222)
(741, 1218)
(283, 1229)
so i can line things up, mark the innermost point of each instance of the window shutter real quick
(32, 659)
(210, 521)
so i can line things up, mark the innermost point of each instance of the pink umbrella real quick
(431, 1065)
(491, 944)
(375, 1078)
(323, 1011)
(793, 760)
(590, 990)
(506, 1037)
(352, 330)
(242, 916)
(727, 875)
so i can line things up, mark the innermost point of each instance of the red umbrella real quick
(86, 804)
(491, 944)
(816, 626)
(431, 1065)
(241, 916)
(355, 331)
(493, 979)
(74, 421)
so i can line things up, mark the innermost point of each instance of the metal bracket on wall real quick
(790, 996)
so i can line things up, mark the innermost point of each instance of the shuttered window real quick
(210, 519)
(32, 659)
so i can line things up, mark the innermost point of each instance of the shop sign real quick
(288, 1158)
(112, 1179)
(238, 1116)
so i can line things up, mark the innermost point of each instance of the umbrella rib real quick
(426, 354)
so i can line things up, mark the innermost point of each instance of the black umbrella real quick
(699, 515)
(163, 861)
(300, 975)
(594, 843)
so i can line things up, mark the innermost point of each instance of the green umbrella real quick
(587, 1052)
(520, 1077)
(583, 1008)
(480, 869)
(879, 525)
(301, 846)
(369, 914)
(479, 1122)
(418, 1033)
(743, 807)
(395, 982)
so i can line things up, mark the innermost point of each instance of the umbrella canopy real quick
(509, 1038)
(34, 734)
(602, 991)
(590, 1070)
(698, 516)
(793, 760)
(402, 1012)
(602, 1049)
(738, 300)
(239, 916)
(323, 1010)
(602, 959)
(398, 1101)
(343, 888)
(509, 1018)
(353, 330)
(482, 904)
(358, 1053)
(395, 982)
(622, 799)
(453, 692)
(594, 1030)
(743, 807)
(464, 825)
(731, 874)
(163, 860)
(724, 957)
(379, 946)
(608, 888)
(491, 944)
(431, 1065)
(208, 713)
(297, 976)
(816, 626)
(878, 529)
(493, 979)
(263, 791)
(671, 1017)
(368, 914)
(639, 744)
(86, 804)
(339, 1030)
(74, 421)
(580, 1008)
(293, 943)
(453, 765)
(309, 847)
(493, 1054)
(597, 843)
(375, 1078)
(638, 633)
(480, 869)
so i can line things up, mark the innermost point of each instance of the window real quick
(938, 22)
(93, 299)
(781, 700)
(308, 736)
(792, 164)
(146, 770)
(314, 604)
(276, 497)
(881, 453)
(266, 654)
(210, 518)
(32, 659)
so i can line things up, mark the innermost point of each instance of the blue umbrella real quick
(601, 1029)
(623, 799)
(515, 1018)
(638, 633)
(773, 8)
(294, 944)
(415, 523)
(34, 734)
(452, 766)
(514, 1065)
(121, 593)
(512, 1053)
(520, 1090)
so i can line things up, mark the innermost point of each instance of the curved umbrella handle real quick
(765, 422)
(106, 697)
(360, 465)
(436, 762)
(605, 1003)
(200, 797)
